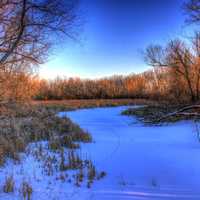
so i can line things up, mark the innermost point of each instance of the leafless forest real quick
(175, 74)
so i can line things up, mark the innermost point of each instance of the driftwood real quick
(180, 112)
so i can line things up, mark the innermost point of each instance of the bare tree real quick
(182, 60)
(28, 28)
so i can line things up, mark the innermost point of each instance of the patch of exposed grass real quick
(150, 114)
(9, 185)
(51, 140)
(33, 124)
(67, 105)
(85, 169)
(26, 190)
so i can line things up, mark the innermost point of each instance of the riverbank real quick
(67, 105)
(92, 153)
(157, 114)
(35, 142)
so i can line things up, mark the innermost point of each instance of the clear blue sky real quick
(113, 35)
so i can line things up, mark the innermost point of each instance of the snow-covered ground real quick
(141, 162)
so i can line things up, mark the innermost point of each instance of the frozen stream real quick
(141, 162)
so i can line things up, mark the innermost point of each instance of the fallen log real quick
(179, 112)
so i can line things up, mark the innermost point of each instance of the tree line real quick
(25, 42)
(155, 84)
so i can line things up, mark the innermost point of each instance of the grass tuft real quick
(9, 184)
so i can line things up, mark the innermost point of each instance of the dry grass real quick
(26, 190)
(62, 105)
(25, 125)
(9, 185)
(149, 114)
(22, 125)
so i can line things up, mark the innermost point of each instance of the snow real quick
(141, 162)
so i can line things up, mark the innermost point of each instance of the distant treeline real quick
(156, 84)
(175, 74)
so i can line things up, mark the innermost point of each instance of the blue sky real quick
(113, 35)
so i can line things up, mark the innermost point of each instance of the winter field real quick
(141, 162)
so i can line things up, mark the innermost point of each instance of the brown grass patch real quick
(63, 105)
(27, 124)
